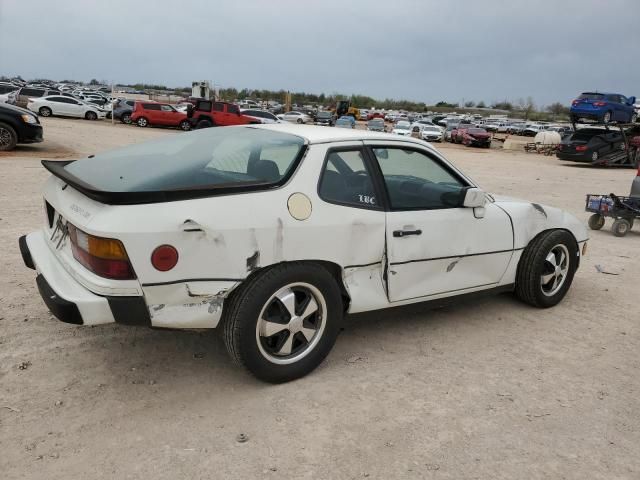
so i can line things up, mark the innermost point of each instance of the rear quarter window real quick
(151, 106)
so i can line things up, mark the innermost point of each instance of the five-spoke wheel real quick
(555, 270)
(546, 268)
(291, 323)
(281, 323)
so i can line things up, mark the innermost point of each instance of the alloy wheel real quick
(291, 323)
(555, 270)
(5, 137)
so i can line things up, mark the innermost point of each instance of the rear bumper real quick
(71, 302)
(574, 157)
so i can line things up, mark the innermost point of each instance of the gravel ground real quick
(487, 390)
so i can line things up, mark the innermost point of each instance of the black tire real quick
(241, 318)
(45, 112)
(142, 122)
(126, 118)
(300, 120)
(91, 115)
(8, 137)
(634, 118)
(533, 263)
(621, 227)
(204, 124)
(606, 118)
(596, 221)
(185, 125)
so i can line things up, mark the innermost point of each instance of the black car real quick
(589, 145)
(18, 125)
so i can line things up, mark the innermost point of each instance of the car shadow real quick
(122, 356)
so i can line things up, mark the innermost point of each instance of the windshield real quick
(209, 158)
(376, 122)
(431, 129)
(403, 125)
(323, 115)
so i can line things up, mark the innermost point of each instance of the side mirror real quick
(631, 100)
(474, 198)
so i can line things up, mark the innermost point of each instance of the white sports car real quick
(274, 232)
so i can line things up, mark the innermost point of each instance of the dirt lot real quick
(486, 390)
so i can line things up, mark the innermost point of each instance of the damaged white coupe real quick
(274, 232)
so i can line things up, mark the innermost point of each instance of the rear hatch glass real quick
(201, 160)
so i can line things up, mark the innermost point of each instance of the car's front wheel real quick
(546, 268)
(185, 125)
(126, 118)
(8, 138)
(283, 322)
(634, 118)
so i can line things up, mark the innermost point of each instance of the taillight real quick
(164, 258)
(599, 104)
(105, 257)
(575, 102)
(581, 148)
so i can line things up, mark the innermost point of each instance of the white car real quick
(65, 107)
(273, 232)
(402, 128)
(431, 133)
(262, 116)
(295, 117)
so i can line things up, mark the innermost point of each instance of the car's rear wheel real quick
(594, 157)
(284, 321)
(204, 124)
(45, 112)
(142, 122)
(299, 120)
(634, 118)
(185, 125)
(91, 115)
(621, 227)
(8, 138)
(126, 118)
(546, 269)
(596, 221)
(606, 118)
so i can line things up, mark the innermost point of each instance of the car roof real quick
(317, 134)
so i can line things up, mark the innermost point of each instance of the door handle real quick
(404, 233)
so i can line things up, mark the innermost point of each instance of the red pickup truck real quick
(208, 113)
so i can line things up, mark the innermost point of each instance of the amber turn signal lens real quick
(164, 258)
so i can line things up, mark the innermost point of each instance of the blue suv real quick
(604, 107)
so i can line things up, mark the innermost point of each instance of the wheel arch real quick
(334, 269)
(554, 229)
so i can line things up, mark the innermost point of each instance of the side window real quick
(622, 99)
(415, 181)
(218, 107)
(166, 108)
(151, 106)
(233, 109)
(345, 180)
(54, 99)
(204, 106)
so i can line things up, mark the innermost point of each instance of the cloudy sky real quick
(420, 50)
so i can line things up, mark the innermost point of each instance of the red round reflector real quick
(164, 258)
